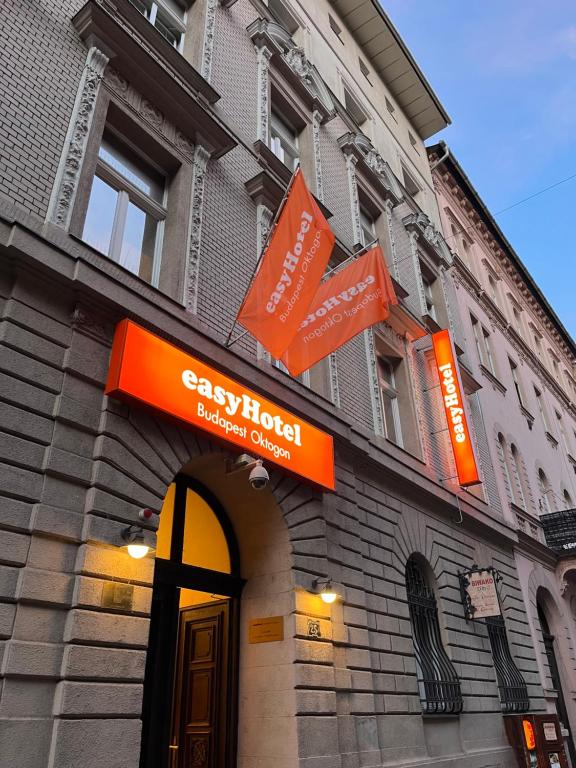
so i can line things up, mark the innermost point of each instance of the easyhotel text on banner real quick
(354, 299)
(290, 273)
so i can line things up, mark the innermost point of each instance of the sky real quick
(505, 71)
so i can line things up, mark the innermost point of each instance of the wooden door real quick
(200, 694)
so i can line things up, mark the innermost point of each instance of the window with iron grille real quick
(511, 685)
(438, 682)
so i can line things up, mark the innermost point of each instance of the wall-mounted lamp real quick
(324, 588)
(135, 542)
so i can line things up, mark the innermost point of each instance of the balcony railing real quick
(560, 531)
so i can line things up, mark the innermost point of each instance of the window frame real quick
(128, 193)
(388, 390)
(152, 14)
(284, 136)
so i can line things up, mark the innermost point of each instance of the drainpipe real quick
(444, 156)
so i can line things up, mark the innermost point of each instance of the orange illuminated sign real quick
(529, 735)
(454, 408)
(148, 370)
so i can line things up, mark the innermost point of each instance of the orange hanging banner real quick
(354, 299)
(290, 272)
(452, 397)
(149, 371)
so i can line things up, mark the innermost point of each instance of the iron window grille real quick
(439, 686)
(511, 685)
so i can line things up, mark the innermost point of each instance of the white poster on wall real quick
(483, 595)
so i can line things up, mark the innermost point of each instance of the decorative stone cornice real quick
(426, 233)
(372, 165)
(294, 65)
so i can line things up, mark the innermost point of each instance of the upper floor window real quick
(519, 487)
(283, 13)
(567, 499)
(427, 283)
(544, 487)
(516, 380)
(389, 398)
(334, 26)
(542, 409)
(503, 453)
(483, 345)
(284, 140)
(517, 319)
(168, 18)
(126, 212)
(354, 108)
(368, 226)
(493, 290)
(438, 682)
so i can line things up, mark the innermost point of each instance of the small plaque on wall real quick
(119, 596)
(550, 731)
(267, 630)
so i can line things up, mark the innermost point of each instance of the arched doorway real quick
(555, 676)
(190, 692)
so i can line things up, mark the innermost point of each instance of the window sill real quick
(141, 55)
(496, 383)
(527, 415)
(431, 323)
(551, 439)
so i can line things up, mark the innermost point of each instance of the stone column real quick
(199, 163)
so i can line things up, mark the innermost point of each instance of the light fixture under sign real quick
(135, 542)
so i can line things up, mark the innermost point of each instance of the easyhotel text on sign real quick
(146, 369)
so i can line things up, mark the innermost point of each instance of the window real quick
(284, 140)
(511, 685)
(483, 345)
(364, 69)
(438, 682)
(409, 183)
(493, 290)
(389, 398)
(413, 141)
(517, 319)
(542, 410)
(515, 379)
(390, 107)
(428, 296)
(304, 377)
(538, 343)
(562, 432)
(168, 18)
(368, 227)
(335, 28)
(503, 454)
(354, 108)
(544, 486)
(518, 487)
(283, 14)
(567, 500)
(126, 213)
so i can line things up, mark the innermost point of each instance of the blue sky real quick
(506, 73)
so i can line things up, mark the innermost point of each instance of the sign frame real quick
(149, 371)
(470, 610)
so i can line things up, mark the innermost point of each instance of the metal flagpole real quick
(262, 252)
(350, 258)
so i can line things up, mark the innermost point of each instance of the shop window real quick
(511, 685)
(126, 209)
(284, 140)
(168, 18)
(389, 398)
(438, 683)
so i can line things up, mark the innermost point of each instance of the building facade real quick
(145, 148)
(522, 356)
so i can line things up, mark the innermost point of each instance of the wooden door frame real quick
(159, 680)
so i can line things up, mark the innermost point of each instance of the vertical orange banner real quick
(354, 299)
(290, 273)
(452, 397)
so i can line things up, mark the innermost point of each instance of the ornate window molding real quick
(200, 161)
(68, 174)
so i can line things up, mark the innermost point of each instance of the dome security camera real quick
(258, 476)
